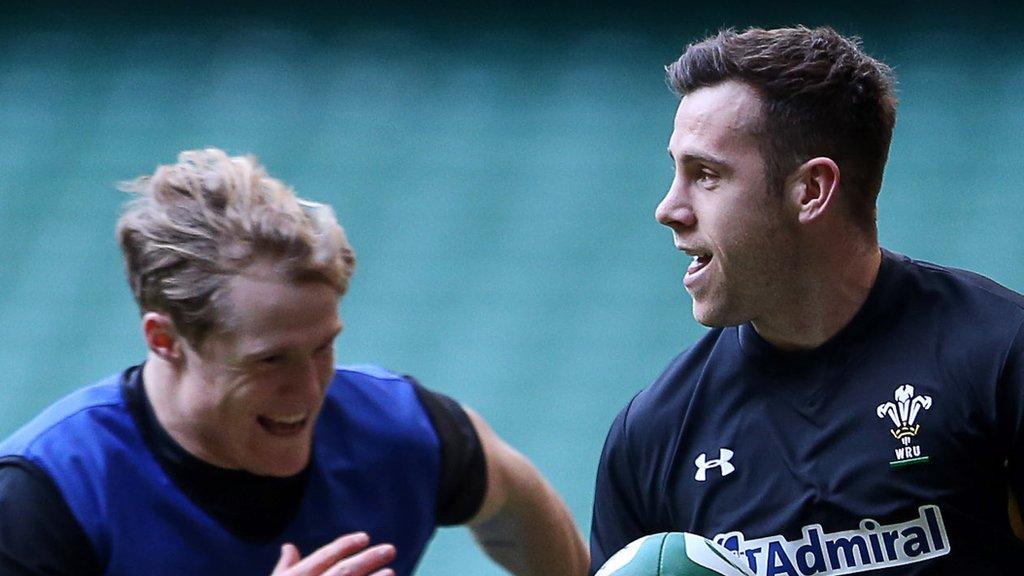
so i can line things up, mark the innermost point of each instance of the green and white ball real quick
(673, 554)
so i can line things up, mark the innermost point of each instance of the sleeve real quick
(1011, 407)
(618, 503)
(463, 482)
(38, 533)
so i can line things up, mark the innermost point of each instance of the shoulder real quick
(964, 290)
(372, 387)
(674, 388)
(368, 373)
(378, 402)
(960, 306)
(92, 407)
(656, 411)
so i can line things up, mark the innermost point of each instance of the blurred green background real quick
(496, 167)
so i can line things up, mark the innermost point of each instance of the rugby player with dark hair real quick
(851, 409)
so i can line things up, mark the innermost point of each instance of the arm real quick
(38, 533)
(1011, 386)
(523, 524)
(619, 516)
(1015, 519)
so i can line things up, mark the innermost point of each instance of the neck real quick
(160, 378)
(828, 292)
(157, 378)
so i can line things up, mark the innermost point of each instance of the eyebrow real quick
(707, 158)
(284, 348)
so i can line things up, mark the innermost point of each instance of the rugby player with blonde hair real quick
(238, 446)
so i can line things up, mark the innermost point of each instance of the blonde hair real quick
(196, 223)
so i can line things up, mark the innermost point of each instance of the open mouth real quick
(699, 264)
(283, 425)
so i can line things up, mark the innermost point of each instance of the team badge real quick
(904, 413)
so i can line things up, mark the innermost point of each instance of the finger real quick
(289, 556)
(366, 562)
(331, 553)
(384, 572)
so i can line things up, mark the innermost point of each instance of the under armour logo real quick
(703, 464)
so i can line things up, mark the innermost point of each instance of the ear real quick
(814, 188)
(161, 336)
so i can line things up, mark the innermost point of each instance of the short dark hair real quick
(821, 96)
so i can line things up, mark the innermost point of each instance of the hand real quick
(346, 556)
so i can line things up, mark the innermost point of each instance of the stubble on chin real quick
(705, 314)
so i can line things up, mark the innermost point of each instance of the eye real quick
(707, 177)
(271, 359)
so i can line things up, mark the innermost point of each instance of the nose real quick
(675, 208)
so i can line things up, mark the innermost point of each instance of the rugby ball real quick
(673, 554)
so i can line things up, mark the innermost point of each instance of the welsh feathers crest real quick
(903, 412)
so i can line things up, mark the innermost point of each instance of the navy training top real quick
(890, 448)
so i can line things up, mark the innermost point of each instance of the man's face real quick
(721, 212)
(250, 395)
